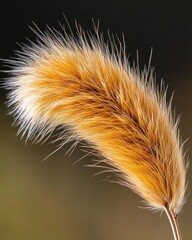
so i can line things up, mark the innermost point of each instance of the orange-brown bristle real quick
(100, 99)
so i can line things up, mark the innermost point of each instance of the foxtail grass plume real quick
(88, 87)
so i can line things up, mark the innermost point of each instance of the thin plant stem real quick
(174, 224)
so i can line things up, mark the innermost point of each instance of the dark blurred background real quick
(55, 199)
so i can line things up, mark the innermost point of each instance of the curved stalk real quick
(174, 224)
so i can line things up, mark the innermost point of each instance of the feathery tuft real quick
(118, 110)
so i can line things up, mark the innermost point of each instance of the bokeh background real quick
(57, 199)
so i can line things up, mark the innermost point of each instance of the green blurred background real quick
(57, 199)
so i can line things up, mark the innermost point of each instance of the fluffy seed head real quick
(98, 97)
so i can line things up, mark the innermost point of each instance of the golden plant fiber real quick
(89, 87)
